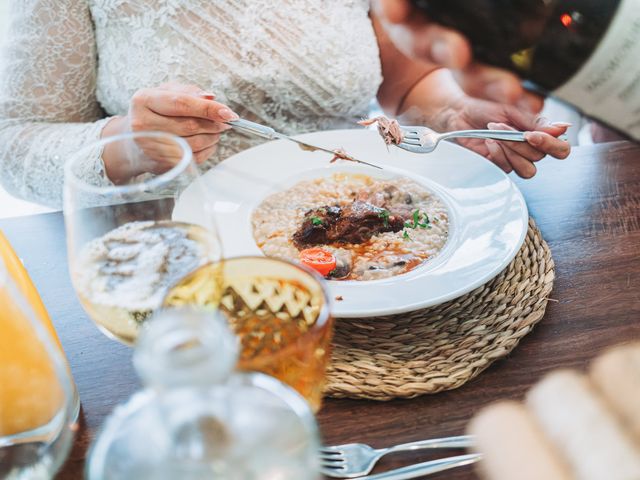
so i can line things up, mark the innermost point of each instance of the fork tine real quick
(332, 458)
(411, 136)
(332, 472)
(331, 449)
(411, 148)
(329, 462)
(412, 141)
(406, 135)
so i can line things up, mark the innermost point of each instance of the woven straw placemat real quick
(442, 347)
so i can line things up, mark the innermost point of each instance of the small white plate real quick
(487, 214)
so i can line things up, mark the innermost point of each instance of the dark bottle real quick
(585, 52)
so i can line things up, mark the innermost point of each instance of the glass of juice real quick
(124, 247)
(38, 402)
(279, 310)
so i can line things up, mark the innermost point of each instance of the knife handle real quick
(425, 468)
(254, 128)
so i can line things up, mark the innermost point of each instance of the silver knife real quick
(425, 468)
(269, 133)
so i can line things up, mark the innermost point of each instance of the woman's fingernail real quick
(492, 126)
(441, 53)
(542, 121)
(562, 124)
(227, 114)
(207, 95)
(530, 171)
(534, 138)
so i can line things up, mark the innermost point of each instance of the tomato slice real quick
(322, 261)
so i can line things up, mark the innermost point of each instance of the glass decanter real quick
(197, 418)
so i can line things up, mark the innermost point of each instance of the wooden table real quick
(588, 208)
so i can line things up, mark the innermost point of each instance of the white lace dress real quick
(68, 65)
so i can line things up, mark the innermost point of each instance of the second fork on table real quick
(355, 459)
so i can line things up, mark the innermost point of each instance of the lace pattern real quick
(295, 65)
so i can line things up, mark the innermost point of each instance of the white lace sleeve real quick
(48, 106)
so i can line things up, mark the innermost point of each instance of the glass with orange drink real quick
(38, 401)
(280, 312)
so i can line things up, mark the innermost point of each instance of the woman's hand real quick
(438, 102)
(184, 110)
(472, 113)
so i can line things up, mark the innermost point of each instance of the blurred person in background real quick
(74, 71)
(426, 41)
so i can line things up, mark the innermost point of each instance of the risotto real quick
(361, 227)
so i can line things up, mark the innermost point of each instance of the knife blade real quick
(269, 133)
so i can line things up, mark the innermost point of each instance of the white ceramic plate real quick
(487, 214)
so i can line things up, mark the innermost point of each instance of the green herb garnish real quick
(384, 215)
(405, 235)
(416, 220)
(425, 221)
(316, 221)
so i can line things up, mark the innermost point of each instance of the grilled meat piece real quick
(315, 226)
(360, 221)
(355, 223)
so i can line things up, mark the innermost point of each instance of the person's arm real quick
(422, 40)
(419, 94)
(400, 74)
(48, 108)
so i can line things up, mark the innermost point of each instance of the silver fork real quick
(356, 459)
(421, 139)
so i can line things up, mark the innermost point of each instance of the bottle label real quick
(607, 87)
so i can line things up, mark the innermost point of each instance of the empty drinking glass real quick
(125, 249)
